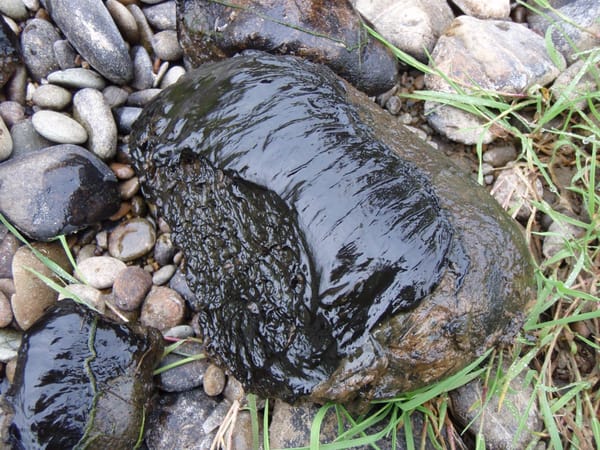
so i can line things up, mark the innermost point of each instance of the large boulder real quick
(333, 254)
(330, 33)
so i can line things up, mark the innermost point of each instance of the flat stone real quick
(580, 26)
(130, 288)
(15, 9)
(9, 55)
(164, 274)
(100, 272)
(413, 26)
(131, 239)
(6, 142)
(65, 54)
(94, 35)
(51, 96)
(26, 139)
(58, 127)
(37, 40)
(124, 20)
(42, 192)
(490, 9)
(162, 16)
(92, 111)
(166, 45)
(77, 77)
(163, 308)
(32, 296)
(143, 77)
(142, 98)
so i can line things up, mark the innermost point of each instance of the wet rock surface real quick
(322, 32)
(108, 371)
(286, 317)
(56, 190)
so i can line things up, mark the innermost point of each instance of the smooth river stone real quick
(95, 36)
(56, 190)
(332, 253)
(58, 127)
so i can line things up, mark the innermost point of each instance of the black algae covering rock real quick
(315, 229)
(81, 381)
(326, 32)
(57, 190)
(9, 56)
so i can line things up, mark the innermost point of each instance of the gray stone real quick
(94, 35)
(498, 419)
(11, 112)
(581, 26)
(32, 296)
(100, 272)
(124, 20)
(168, 425)
(37, 40)
(163, 308)
(115, 96)
(234, 391)
(145, 31)
(130, 288)
(573, 83)
(463, 53)
(131, 239)
(164, 250)
(500, 155)
(56, 190)
(456, 124)
(125, 117)
(411, 25)
(180, 332)
(172, 75)
(51, 96)
(15, 9)
(179, 284)
(58, 127)
(6, 142)
(164, 274)
(216, 417)
(87, 294)
(26, 139)
(16, 86)
(142, 98)
(490, 9)
(65, 54)
(10, 341)
(559, 234)
(162, 16)
(184, 377)
(77, 77)
(143, 77)
(8, 247)
(515, 189)
(166, 45)
(93, 112)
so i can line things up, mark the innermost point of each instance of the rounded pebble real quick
(125, 117)
(234, 390)
(11, 112)
(180, 332)
(124, 20)
(162, 16)
(26, 139)
(78, 78)
(143, 78)
(129, 188)
(92, 111)
(65, 54)
(37, 41)
(15, 9)
(164, 250)
(131, 239)
(51, 96)
(130, 288)
(164, 274)
(185, 377)
(146, 32)
(6, 142)
(115, 96)
(57, 127)
(172, 75)
(213, 381)
(162, 309)
(87, 294)
(100, 271)
(6, 315)
(122, 171)
(142, 98)
(166, 45)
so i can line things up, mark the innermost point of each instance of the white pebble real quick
(92, 111)
(59, 128)
(77, 77)
(172, 75)
(164, 274)
(100, 271)
(51, 96)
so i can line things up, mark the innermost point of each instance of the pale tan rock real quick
(163, 308)
(488, 9)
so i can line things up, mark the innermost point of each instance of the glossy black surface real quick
(301, 230)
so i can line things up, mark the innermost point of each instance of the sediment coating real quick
(301, 230)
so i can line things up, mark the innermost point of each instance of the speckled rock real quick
(130, 288)
(142, 98)
(489, 9)
(8, 247)
(125, 117)
(91, 110)
(77, 77)
(124, 20)
(32, 296)
(515, 188)
(51, 96)
(131, 239)
(163, 308)
(172, 75)
(26, 139)
(186, 376)
(162, 16)
(65, 54)
(100, 271)
(87, 294)
(143, 77)
(58, 127)
(9, 57)
(166, 45)
(411, 25)
(214, 380)
(56, 190)
(10, 341)
(500, 155)
(37, 41)
(94, 35)
(115, 96)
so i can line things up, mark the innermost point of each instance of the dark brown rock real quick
(9, 56)
(330, 33)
